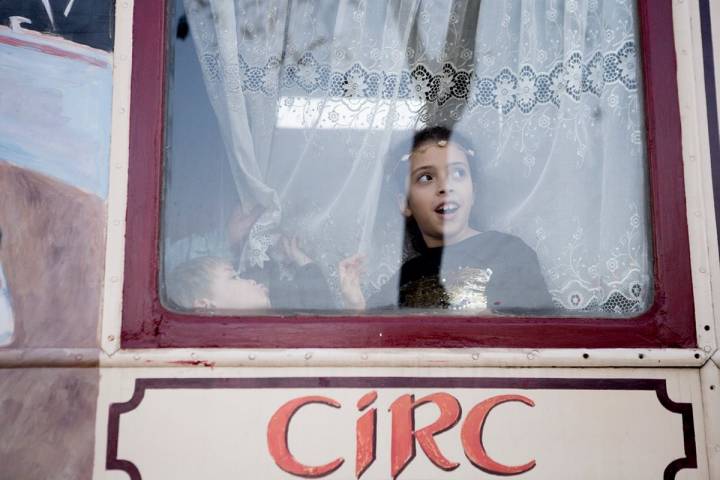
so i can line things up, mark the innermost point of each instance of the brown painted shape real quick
(52, 253)
(47, 423)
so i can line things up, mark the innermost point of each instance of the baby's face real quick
(230, 292)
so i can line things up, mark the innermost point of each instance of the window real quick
(538, 134)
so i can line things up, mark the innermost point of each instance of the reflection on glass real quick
(453, 157)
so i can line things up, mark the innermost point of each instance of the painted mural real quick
(55, 114)
(55, 100)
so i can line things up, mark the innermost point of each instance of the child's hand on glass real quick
(292, 250)
(350, 271)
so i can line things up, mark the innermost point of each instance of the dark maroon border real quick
(659, 386)
(670, 322)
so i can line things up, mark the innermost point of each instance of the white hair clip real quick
(442, 143)
(405, 157)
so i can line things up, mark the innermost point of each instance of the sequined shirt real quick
(489, 272)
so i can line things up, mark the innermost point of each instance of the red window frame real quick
(668, 323)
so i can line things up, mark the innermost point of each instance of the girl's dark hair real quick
(398, 171)
(400, 154)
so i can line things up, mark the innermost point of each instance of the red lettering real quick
(277, 439)
(471, 436)
(365, 436)
(404, 433)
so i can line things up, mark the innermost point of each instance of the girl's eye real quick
(459, 173)
(424, 178)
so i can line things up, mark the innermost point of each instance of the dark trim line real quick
(659, 386)
(711, 102)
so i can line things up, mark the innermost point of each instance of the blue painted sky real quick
(55, 111)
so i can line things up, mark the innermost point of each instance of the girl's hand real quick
(293, 252)
(350, 271)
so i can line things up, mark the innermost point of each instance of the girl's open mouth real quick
(447, 208)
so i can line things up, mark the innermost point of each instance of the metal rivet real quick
(251, 356)
(114, 279)
(111, 338)
(78, 357)
(586, 355)
(380, 334)
(707, 348)
(193, 355)
(475, 356)
(308, 356)
(531, 356)
(702, 270)
(364, 356)
(136, 357)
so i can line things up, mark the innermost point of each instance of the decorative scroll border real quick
(659, 386)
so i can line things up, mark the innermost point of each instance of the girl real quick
(458, 267)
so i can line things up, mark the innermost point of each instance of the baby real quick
(210, 283)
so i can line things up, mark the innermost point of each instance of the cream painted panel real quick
(603, 424)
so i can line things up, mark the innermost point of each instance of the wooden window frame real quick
(668, 323)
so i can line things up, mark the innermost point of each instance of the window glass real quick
(464, 157)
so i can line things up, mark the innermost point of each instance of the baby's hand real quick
(239, 225)
(293, 252)
(350, 271)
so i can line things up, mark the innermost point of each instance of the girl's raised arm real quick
(350, 270)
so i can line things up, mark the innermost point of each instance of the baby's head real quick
(206, 283)
(436, 181)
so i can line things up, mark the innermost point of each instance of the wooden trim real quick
(669, 323)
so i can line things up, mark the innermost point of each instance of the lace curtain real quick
(310, 96)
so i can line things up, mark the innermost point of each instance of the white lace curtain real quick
(310, 95)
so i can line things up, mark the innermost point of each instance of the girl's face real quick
(440, 194)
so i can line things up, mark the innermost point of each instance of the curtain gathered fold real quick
(310, 96)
